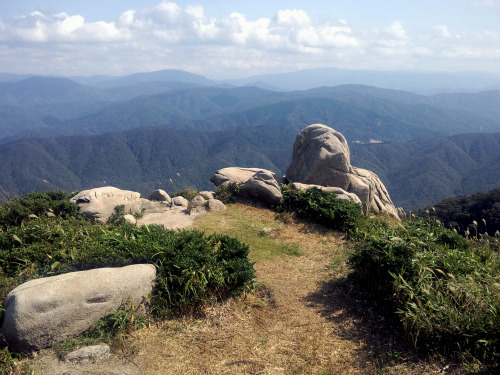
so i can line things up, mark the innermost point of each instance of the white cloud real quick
(168, 35)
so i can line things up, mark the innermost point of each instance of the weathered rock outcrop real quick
(42, 311)
(321, 157)
(263, 187)
(238, 175)
(99, 203)
(257, 184)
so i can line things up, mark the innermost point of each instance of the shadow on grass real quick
(359, 318)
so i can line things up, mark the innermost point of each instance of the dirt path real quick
(301, 320)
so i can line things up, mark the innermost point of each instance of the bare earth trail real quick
(300, 320)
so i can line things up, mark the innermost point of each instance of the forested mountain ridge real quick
(41, 106)
(416, 173)
(476, 214)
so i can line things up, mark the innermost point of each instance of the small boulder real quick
(129, 219)
(207, 194)
(198, 205)
(215, 205)
(160, 196)
(263, 187)
(180, 201)
(43, 311)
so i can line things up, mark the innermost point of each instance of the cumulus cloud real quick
(169, 35)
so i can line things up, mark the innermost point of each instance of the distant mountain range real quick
(420, 82)
(40, 106)
(172, 129)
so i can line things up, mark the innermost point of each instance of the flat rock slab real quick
(89, 354)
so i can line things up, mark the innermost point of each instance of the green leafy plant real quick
(189, 194)
(17, 210)
(321, 207)
(444, 290)
(228, 192)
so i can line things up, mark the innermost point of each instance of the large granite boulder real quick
(321, 157)
(99, 203)
(43, 311)
(262, 187)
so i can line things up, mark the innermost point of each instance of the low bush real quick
(192, 268)
(15, 211)
(189, 194)
(444, 290)
(227, 193)
(321, 207)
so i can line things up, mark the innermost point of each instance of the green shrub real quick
(227, 193)
(189, 194)
(321, 207)
(191, 268)
(16, 210)
(446, 293)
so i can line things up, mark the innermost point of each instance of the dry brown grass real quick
(304, 318)
(298, 321)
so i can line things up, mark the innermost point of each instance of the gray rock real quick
(50, 214)
(207, 194)
(180, 201)
(89, 354)
(321, 157)
(340, 193)
(99, 203)
(160, 196)
(263, 187)
(198, 205)
(215, 205)
(129, 219)
(43, 311)
(238, 175)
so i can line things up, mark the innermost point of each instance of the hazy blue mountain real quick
(167, 75)
(422, 82)
(361, 113)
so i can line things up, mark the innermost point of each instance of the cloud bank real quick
(186, 37)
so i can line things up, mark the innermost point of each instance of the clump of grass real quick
(228, 192)
(17, 210)
(320, 207)
(189, 194)
(444, 290)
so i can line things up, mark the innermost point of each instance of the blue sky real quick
(242, 38)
